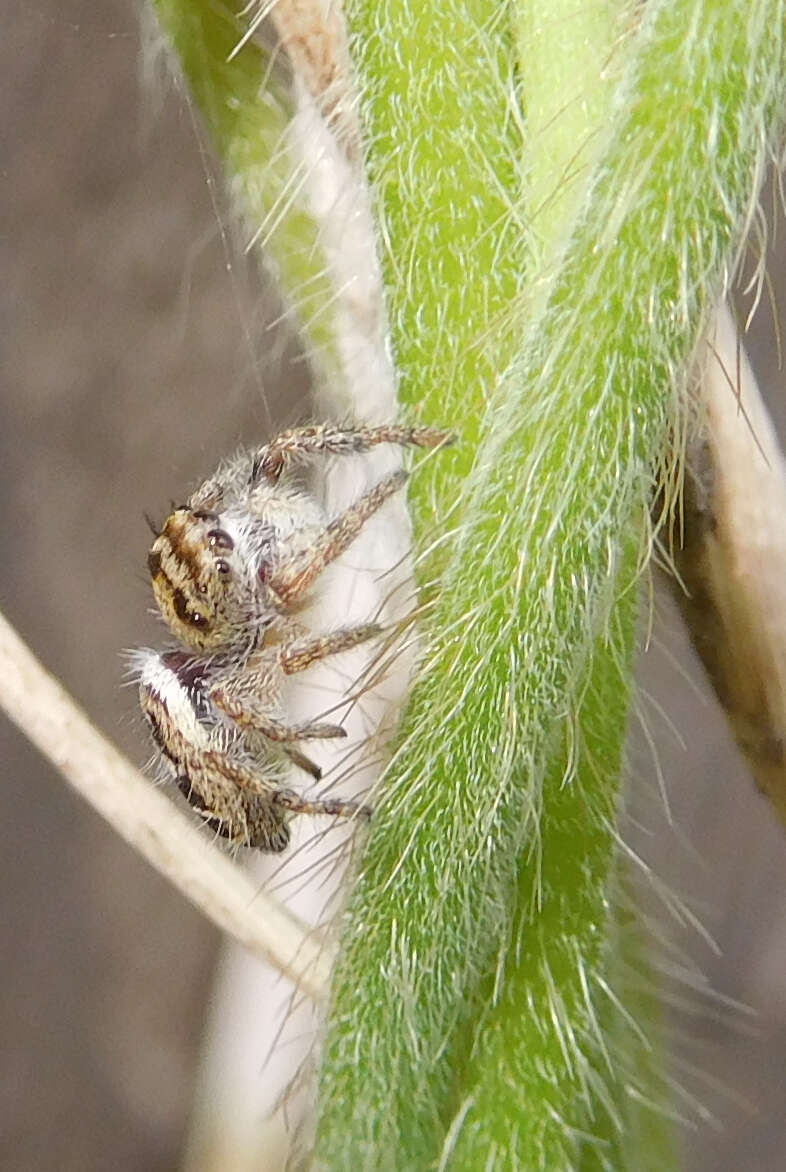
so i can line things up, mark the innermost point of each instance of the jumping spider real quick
(229, 570)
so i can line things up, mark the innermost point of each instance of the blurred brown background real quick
(131, 358)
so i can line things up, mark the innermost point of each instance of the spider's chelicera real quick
(229, 570)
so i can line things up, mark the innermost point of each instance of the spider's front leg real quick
(299, 654)
(295, 575)
(329, 440)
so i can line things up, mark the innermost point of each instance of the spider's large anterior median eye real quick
(220, 539)
(223, 567)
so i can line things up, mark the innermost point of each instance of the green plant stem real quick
(445, 166)
(556, 972)
(563, 468)
(245, 103)
(568, 67)
(544, 986)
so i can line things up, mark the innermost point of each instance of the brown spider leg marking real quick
(301, 653)
(298, 574)
(257, 823)
(243, 708)
(333, 807)
(263, 824)
(296, 656)
(327, 440)
(303, 762)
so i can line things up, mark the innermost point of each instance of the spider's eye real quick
(223, 567)
(220, 539)
(185, 613)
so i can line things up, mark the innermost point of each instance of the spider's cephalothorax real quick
(230, 569)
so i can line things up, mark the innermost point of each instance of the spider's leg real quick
(246, 815)
(328, 440)
(245, 710)
(235, 803)
(301, 653)
(296, 575)
(305, 763)
(333, 807)
(266, 826)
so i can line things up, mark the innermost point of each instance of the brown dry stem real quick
(732, 558)
(146, 818)
(314, 34)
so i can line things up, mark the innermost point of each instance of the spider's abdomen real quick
(204, 756)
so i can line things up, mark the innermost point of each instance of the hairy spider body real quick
(230, 569)
(210, 760)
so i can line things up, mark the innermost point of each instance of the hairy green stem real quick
(244, 99)
(564, 466)
(569, 65)
(536, 1085)
(556, 974)
(445, 165)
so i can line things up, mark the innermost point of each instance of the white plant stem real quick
(260, 1038)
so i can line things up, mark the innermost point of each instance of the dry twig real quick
(146, 818)
(732, 558)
